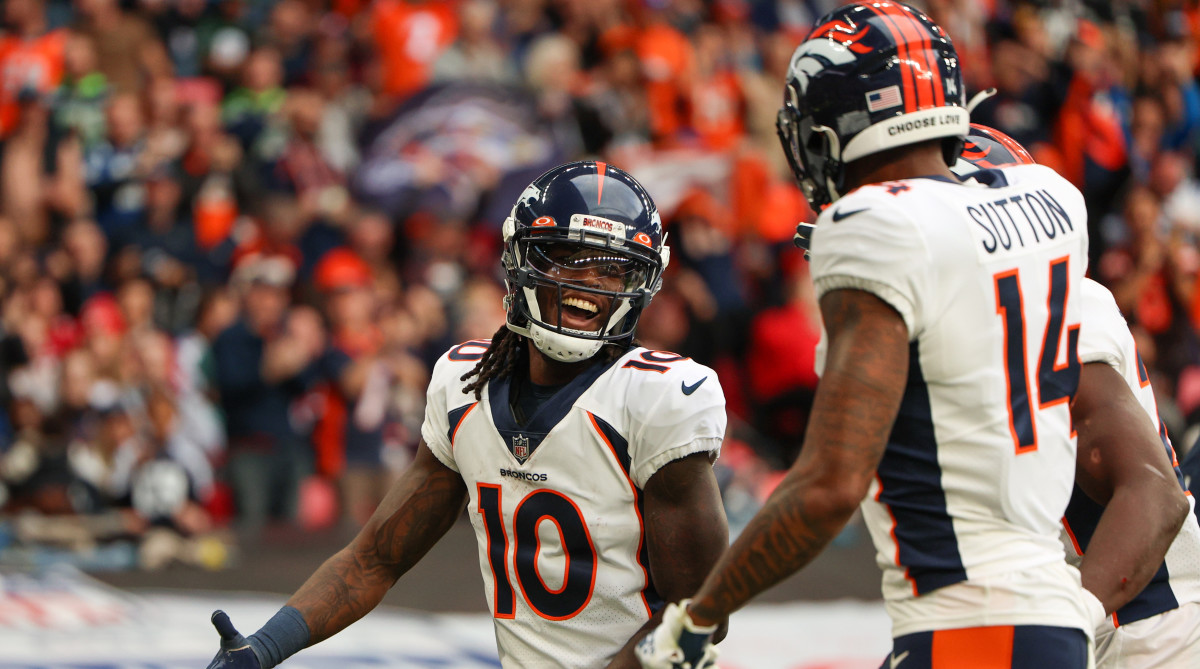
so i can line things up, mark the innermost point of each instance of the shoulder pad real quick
(662, 375)
(460, 359)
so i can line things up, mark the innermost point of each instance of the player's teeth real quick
(581, 304)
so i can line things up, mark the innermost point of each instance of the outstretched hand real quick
(235, 652)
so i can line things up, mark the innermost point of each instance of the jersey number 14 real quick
(1056, 383)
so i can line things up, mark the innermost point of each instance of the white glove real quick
(678, 643)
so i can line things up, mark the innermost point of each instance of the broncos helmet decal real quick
(814, 54)
(870, 77)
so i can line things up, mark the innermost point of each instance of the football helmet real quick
(986, 148)
(870, 77)
(584, 253)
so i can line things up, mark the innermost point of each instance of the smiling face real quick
(583, 273)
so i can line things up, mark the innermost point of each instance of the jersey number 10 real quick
(1056, 383)
(580, 554)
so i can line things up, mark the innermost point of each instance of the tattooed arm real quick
(686, 532)
(416, 513)
(855, 406)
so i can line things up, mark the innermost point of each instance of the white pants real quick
(1169, 640)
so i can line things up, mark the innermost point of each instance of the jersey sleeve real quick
(875, 248)
(1103, 335)
(675, 414)
(445, 400)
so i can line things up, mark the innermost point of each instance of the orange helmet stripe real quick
(601, 168)
(912, 95)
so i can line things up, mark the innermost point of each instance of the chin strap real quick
(563, 347)
(835, 153)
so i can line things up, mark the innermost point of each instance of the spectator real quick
(617, 94)
(23, 167)
(168, 478)
(408, 38)
(182, 28)
(264, 364)
(226, 40)
(290, 31)
(552, 72)
(716, 99)
(667, 57)
(128, 50)
(195, 373)
(302, 168)
(347, 103)
(165, 138)
(117, 169)
(80, 101)
(780, 368)
(207, 171)
(354, 416)
(373, 238)
(248, 109)
(31, 59)
(476, 55)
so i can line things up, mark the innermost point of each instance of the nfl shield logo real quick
(520, 447)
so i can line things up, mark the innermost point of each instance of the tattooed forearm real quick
(855, 406)
(785, 535)
(416, 513)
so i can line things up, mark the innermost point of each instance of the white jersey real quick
(1106, 338)
(569, 592)
(966, 503)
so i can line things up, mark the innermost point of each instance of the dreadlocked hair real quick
(499, 361)
(505, 354)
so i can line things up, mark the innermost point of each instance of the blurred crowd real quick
(235, 234)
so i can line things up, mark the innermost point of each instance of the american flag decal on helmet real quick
(884, 98)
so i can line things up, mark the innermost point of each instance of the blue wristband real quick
(284, 635)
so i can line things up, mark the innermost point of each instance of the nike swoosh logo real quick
(897, 659)
(840, 215)
(688, 390)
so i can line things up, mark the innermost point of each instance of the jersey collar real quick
(548, 415)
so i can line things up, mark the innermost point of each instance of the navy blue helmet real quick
(870, 77)
(988, 148)
(583, 255)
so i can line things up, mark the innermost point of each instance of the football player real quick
(949, 357)
(1128, 509)
(584, 461)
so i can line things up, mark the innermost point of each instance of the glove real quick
(235, 652)
(678, 643)
(803, 237)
